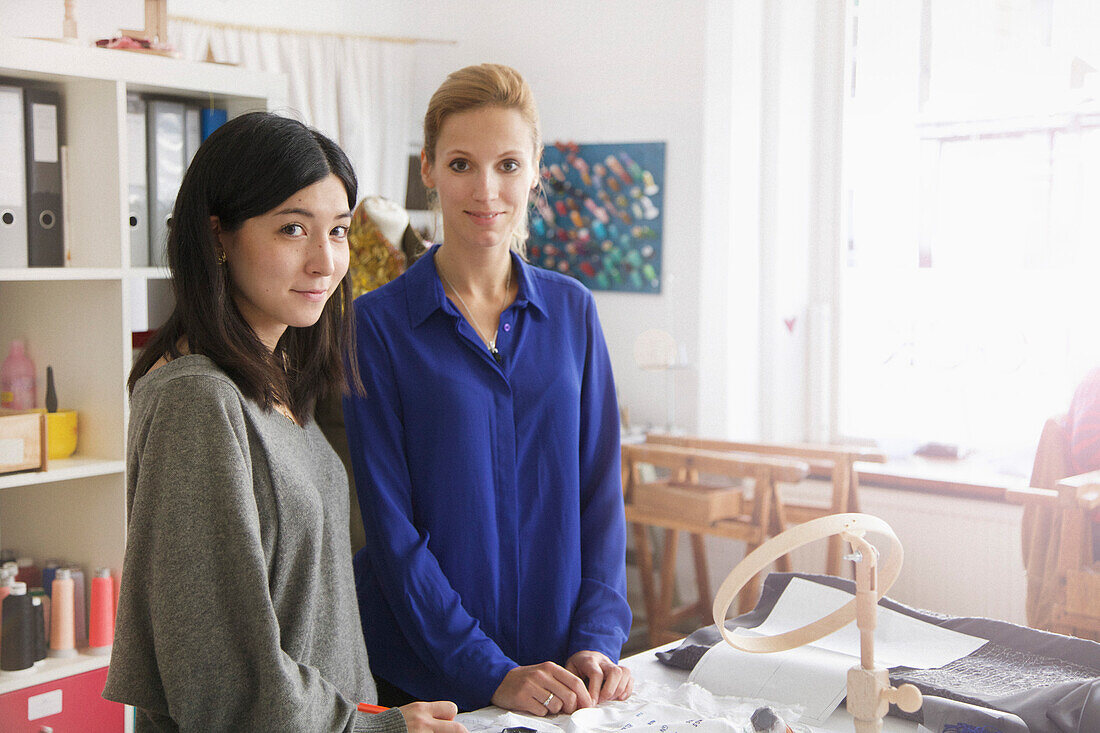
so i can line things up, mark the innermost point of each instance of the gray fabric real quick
(237, 609)
(940, 714)
(1038, 677)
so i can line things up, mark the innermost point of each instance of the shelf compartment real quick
(78, 329)
(82, 522)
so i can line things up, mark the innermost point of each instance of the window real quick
(972, 154)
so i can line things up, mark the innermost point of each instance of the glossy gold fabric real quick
(374, 259)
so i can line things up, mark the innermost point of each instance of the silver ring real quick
(548, 699)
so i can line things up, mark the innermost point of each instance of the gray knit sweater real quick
(237, 609)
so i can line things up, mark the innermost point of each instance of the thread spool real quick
(80, 612)
(38, 604)
(17, 649)
(48, 574)
(29, 573)
(10, 569)
(116, 582)
(39, 594)
(6, 579)
(62, 630)
(101, 613)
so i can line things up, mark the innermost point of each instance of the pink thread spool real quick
(62, 628)
(101, 617)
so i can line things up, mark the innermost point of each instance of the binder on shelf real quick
(66, 207)
(212, 119)
(192, 131)
(42, 139)
(139, 305)
(138, 193)
(13, 179)
(166, 163)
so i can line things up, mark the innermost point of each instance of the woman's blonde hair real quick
(483, 85)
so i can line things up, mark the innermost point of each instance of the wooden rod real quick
(299, 32)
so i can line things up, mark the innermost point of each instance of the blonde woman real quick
(486, 449)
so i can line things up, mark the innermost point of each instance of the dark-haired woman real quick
(237, 608)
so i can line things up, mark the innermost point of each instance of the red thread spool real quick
(29, 573)
(62, 628)
(101, 617)
(117, 583)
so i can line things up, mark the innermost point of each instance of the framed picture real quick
(601, 215)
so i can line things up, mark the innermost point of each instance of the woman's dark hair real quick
(246, 168)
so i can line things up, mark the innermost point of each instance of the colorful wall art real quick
(601, 216)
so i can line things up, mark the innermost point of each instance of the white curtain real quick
(774, 195)
(355, 90)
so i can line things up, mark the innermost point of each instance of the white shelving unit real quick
(79, 318)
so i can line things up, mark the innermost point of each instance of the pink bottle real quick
(17, 379)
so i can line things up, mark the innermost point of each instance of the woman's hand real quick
(606, 680)
(542, 689)
(431, 717)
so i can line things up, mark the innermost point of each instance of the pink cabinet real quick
(68, 705)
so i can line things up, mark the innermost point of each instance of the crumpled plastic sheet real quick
(651, 709)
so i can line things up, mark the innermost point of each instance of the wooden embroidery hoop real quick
(869, 689)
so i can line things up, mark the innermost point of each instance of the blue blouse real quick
(491, 492)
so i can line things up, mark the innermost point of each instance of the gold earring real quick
(221, 257)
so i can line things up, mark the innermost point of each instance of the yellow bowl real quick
(60, 433)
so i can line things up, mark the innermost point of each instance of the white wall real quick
(95, 18)
(608, 71)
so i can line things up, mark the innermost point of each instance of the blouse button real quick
(507, 326)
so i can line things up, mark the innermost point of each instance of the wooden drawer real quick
(71, 704)
(22, 440)
(693, 502)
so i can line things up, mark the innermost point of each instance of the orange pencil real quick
(366, 707)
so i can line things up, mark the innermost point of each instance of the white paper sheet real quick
(900, 640)
(815, 676)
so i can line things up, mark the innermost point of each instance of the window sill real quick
(969, 477)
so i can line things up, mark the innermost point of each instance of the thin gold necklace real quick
(492, 342)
